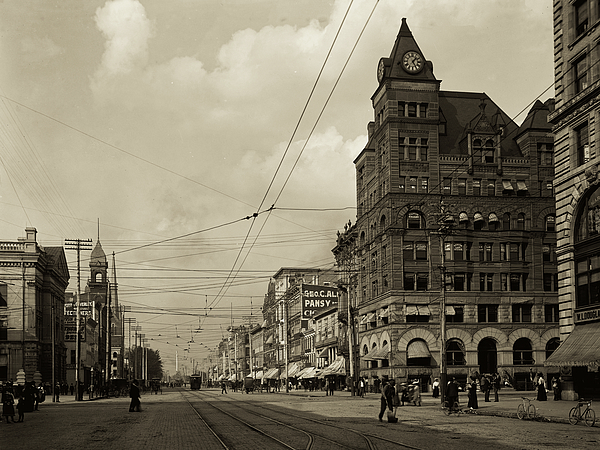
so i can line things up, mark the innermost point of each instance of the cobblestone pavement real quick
(167, 422)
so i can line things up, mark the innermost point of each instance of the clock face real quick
(380, 70)
(412, 62)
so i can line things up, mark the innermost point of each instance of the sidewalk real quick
(509, 399)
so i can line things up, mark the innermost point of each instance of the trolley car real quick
(195, 382)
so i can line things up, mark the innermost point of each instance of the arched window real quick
(455, 353)
(478, 221)
(550, 223)
(506, 221)
(417, 353)
(362, 239)
(552, 345)
(521, 221)
(493, 222)
(415, 220)
(115, 355)
(365, 350)
(382, 224)
(522, 352)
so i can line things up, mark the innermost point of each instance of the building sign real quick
(85, 311)
(587, 316)
(316, 299)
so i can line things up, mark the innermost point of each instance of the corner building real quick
(454, 201)
(577, 185)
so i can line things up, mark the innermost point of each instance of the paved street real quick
(167, 422)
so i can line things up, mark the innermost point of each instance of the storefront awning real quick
(507, 185)
(463, 217)
(493, 218)
(271, 374)
(292, 370)
(417, 349)
(323, 353)
(417, 310)
(478, 217)
(521, 186)
(382, 353)
(337, 367)
(581, 348)
(269, 340)
(450, 311)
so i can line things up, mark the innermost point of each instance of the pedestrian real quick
(383, 400)
(390, 394)
(486, 387)
(496, 386)
(331, 385)
(72, 389)
(403, 393)
(452, 393)
(472, 393)
(556, 388)
(541, 388)
(21, 409)
(57, 392)
(8, 403)
(223, 388)
(436, 388)
(416, 394)
(134, 394)
(396, 398)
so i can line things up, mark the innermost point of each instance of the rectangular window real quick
(412, 110)
(583, 147)
(514, 252)
(401, 111)
(487, 313)
(550, 282)
(581, 17)
(408, 251)
(423, 150)
(424, 185)
(551, 313)
(458, 316)
(401, 187)
(3, 294)
(422, 281)
(477, 187)
(486, 282)
(521, 313)
(412, 149)
(462, 186)
(73, 354)
(423, 110)
(491, 188)
(409, 281)
(421, 251)
(459, 249)
(447, 186)
(412, 185)
(459, 282)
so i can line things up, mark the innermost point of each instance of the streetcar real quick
(195, 382)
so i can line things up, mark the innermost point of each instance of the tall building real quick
(455, 208)
(33, 281)
(577, 186)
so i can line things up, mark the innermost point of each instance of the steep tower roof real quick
(98, 257)
(396, 64)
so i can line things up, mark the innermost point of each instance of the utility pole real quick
(78, 245)
(128, 321)
(445, 228)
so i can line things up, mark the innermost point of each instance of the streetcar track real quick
(365, 435)
(238, 419)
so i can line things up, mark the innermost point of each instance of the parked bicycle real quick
(586, 414)
(526, 409)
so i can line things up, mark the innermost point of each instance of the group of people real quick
(19, 400)
(395, 395)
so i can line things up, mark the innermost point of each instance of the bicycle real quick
(577, 413)
(526, 409)
(447, 409)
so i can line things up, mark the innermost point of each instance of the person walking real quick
(57, 392)
(486, 387)
(556, 388)
(452, 393)
(8, 403)
(21, 409)
(383, 401)
(331, 386)
(361, 387)
(416, 394)
(472, 394)
(436, 388)
(223, 388)
(496, 386)
(72, 389)
(134, 393)
(541, 388)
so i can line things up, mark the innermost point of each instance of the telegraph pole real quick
(78, 245)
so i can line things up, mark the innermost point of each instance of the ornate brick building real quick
(455, 207)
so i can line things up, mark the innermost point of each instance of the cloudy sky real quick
(169, 123)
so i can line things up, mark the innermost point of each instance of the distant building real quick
(455, 205)
(33, 280)
(577, 187)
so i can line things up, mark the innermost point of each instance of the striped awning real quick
(337, 367)
(507, 185)
(382, 353)
(292, 369)
(521, 186)
(417, 349)
(308, 372)
(271, 374)
(580, 348)
(417, 310)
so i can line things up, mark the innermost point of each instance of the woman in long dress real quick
(541, 389)
(472, 394)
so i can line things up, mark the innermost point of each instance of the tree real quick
(155, 366)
